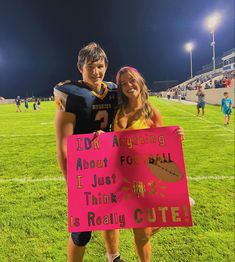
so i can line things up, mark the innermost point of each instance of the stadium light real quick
(212, 23)
(189, 48)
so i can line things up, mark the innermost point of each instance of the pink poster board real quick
(129, 179)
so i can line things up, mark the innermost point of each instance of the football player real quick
(17, 101)
(85, 106)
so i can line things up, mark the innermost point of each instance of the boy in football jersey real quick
(85, 106)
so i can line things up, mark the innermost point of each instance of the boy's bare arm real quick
(64, 123)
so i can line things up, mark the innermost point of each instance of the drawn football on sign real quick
(164, 169)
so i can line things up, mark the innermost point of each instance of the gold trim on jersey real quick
(60, 100)
(101, 96)
(65, 82)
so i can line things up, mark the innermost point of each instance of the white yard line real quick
(48, 179)
(222, 134)
(206, 130)
(187, 131)
(187, 117)
(199, 178)
(28, 180)
(47, 123)
(211, 141)
(27, 135)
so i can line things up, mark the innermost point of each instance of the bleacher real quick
(213, 82)
(225, 69)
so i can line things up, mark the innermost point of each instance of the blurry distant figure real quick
(210, 84)
(228, 82)
(35, 106)
(217, 84)
(200, 100)
(26, 104)
(226, 107)
(168, 94)
(179, 94)
(38, 103)
(175, 95)
(17, 101)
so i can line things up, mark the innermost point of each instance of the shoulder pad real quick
(63, 83)
(111, 85)
(60, 99)
(69, 87)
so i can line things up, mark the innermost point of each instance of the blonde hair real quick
(146, 110)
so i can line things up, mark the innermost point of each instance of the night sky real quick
(40, 39)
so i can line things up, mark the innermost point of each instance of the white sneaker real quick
(191, 201)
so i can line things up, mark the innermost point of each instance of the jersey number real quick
(102, 116)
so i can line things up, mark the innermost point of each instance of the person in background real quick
(226, 107)
(228, 82)
(38, 103)
(179, 94)
(200, 100)
(17, 102)
(168, 94)
(35, 105)
(26, 104)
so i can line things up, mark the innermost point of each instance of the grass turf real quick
(33, 218)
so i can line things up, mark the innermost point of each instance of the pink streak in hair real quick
(126, 68)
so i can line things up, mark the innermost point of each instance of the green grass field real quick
(33, 204)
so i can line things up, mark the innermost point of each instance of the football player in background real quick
(17, 102)
(85, 106)
(26, 104)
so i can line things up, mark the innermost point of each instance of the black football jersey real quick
(93, 111)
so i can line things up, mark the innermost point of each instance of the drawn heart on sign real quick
(166, 171)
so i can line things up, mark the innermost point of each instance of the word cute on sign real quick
(128, 179)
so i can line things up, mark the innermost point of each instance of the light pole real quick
(189, 48)
(211, 23)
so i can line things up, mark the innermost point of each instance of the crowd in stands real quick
(210, 82)
(217, 80)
